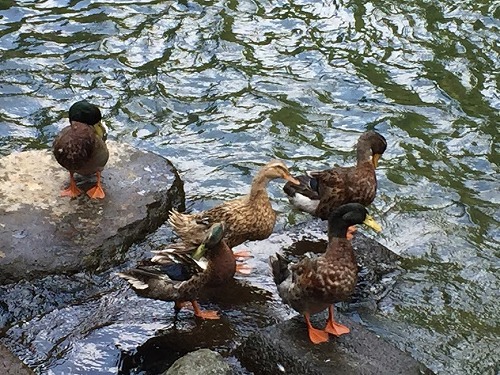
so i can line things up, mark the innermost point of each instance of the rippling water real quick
(220, 87)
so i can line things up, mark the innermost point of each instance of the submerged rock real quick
(200, 362)
(42, 233)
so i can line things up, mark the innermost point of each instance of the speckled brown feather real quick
(250, 217)
(333, 187)
(323, 280)
(345, 185)
(79, 149)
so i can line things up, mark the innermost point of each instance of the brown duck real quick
(314, 284)
(250, 217)
(181, 278)
(81, 147)
(321, 191)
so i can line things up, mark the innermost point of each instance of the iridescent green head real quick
(214, 236)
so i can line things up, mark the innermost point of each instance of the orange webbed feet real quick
(97, 192)
(72, 191)
(204, 314)
(317, 336)
(333, 327)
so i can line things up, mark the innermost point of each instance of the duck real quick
(315, 283)
(181, 278)
(248, 218)
(321, 191)
(81, 148)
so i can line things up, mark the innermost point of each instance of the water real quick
(220, 87)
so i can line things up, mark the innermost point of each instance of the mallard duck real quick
(321, 191)
(314, 284)
(182, 278)
(81, 147)
(250, 217)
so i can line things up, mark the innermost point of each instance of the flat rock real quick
(42, 233)
(285, 348)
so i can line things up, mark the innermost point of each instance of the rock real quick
(200, 362)
(42, 233)
(11, 365)
(285, 348)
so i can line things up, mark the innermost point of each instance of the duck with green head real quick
(181, 278)
(315, 284)
(81, 147)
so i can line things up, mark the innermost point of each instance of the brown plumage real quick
(250, 217)
(81, 147)
(180, 278)
(321, 191)
(314, 284)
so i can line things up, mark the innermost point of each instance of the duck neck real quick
(221, 263)
(259, 187)
(337, 228)
(364, 151)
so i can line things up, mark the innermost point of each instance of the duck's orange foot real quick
(350, 232)
(317, 336)
(244, 269)
(71, 192)
(336, 329)
(207, 314)
(96, 192)
(333, 327)
(242, 254)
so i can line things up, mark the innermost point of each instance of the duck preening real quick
(181, 278)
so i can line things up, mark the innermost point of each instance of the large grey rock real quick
(200, 362)
(285, 348)
(42, 233)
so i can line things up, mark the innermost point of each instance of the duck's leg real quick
(207, 314)
(316, 336)
(350, 232)
(72, 191)
(96, 192)
(333, 327)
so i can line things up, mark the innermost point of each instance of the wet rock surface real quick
(200, 362)
(285, 348)
(11, 365)
(42, 233)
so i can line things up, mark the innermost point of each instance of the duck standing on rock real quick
(321, 191)
(314, 284)
(180, 278)
(250, 217)
(81, 147)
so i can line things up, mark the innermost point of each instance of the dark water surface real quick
(220, 87)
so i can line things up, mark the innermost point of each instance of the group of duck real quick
(203, 256)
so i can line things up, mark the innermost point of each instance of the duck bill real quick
(101, 130)
(369, 221)
(199, 252)
(292, 179)
(375, 159)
